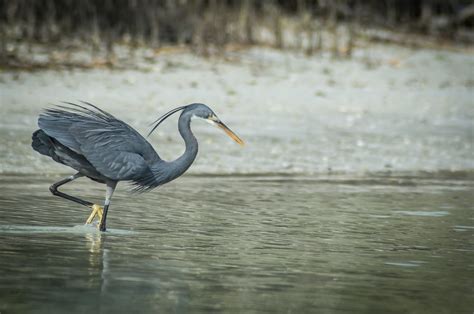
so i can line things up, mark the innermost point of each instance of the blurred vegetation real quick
(208, 26)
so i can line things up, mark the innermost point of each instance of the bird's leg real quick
(96, 209)
(108, 196)
(54, 190)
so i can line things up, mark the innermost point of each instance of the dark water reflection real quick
(242, 244)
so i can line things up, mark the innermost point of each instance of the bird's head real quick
(200, 111)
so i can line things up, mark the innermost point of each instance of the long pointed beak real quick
(228, 131)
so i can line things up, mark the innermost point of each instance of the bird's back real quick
(112, 147)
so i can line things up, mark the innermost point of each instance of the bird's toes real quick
(97, 211)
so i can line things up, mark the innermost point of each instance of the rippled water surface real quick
(353, 194)
(247, 244)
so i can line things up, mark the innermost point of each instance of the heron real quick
(107, 150)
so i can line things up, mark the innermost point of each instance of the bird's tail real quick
(49, 146)
(42, 143)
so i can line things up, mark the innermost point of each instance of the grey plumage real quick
(108, 150)
(102, 146)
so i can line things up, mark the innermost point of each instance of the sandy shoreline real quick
(387, 109)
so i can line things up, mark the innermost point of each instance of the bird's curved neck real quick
(181, 164)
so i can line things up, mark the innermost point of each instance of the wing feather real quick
(114, 148)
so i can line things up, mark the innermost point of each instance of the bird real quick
(107, 150)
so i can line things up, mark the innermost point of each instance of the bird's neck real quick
(182, 164)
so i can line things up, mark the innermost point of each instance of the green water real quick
(242, 244)
(353, 193)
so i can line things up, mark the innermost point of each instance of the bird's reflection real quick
(98, 261)
(111, 288)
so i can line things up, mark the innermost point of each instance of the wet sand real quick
(387, 109)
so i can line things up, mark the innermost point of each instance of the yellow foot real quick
(97, 210)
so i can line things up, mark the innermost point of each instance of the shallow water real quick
(251, 244)
(353, 194)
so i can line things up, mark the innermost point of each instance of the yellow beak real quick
(232, 135)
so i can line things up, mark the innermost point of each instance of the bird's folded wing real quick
(114, 148)
(112, 151)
